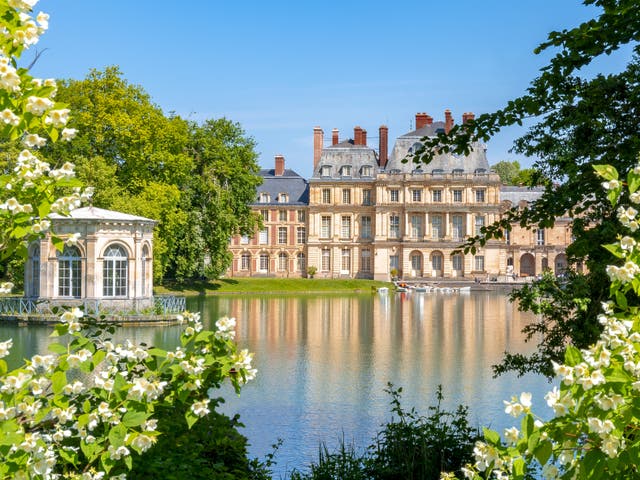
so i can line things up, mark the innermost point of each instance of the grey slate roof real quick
(410, 142)
(290, 183)
(516, 194)
(347, 154)
(94, 213)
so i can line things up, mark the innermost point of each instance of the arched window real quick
(115, 272)
(145, 271)
(302, 262)
(34, 256)
(283, 259)
(69, 272)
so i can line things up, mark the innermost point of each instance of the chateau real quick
(367, 213)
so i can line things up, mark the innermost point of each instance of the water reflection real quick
(324, 361)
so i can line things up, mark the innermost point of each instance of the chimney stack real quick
(357, 136)
(421, 120)
(448, 121)
(334, 137)
(318, 139)
(383, 146)
(467, 116)
(363, 138)
(279, 165)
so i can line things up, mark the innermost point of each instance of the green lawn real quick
(268, 285)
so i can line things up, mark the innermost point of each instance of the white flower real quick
(33, 140)
(511, 434)
(9, 118)
(6, 287)
(57, 118)
(627, 243)
(68, 134)
(611, 445)
(200, 407)
(38, 105)
(43, 20)
(611, 184)
(143, 442)
(118, 453)
(5, 347)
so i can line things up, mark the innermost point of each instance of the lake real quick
(324, 362)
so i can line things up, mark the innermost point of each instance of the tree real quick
(196, 180)
(511, 174)
(582, 121)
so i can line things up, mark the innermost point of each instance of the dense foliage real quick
(581, 121)
(511, 173)
(197, 180)
(409, 446)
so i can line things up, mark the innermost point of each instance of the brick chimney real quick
(467, 116)
(279, 165)
(318, 139)
(383, 145)
(363, 138)
(448, 121)
(421, 120)
(357, 136)
(334, 137)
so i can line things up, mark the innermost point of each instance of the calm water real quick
(324, 361)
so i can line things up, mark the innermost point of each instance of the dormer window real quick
(264, 197)
(366, 171)
(394, 171)
(437, 171)
(480, 171)
(457, 172)
(325, 171)
(345, 171)
(415, 148)
(417, 171)
(283, 198)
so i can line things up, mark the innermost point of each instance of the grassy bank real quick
(268, 285)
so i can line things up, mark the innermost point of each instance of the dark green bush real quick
(409, 447)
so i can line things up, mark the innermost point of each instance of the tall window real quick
(436, 196)
(264, 262)
(416, 226)
(365, 260)
(457, 195)
(394, 195)
(394, 226)
(282, 215)
(479, 224)
(265, 215)
(244, 240)
(457, 262)
(480, 194)
(416, 195)
(346, 171)
(416, 262)
(301, 262)
(366, 197)
(301, 235)
(457, 222)
(394, 262)
(365, 227)
(507, 236)
(325, 171)
(366, 171)
(436, 262)
(114, 272)
(479, 263)
(245, 261)
(325, 226)
(264, 197)
(540, 236)
(145, 270)
(69, 272)
(282, 235)
(325, 264)
(301, 216)
(283, 198)
(345, 231)
(346, 260)
(346, 195)
(282, 261)
(326, 195)
(436, 227)
(263, 238)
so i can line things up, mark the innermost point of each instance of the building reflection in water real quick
(324, 361)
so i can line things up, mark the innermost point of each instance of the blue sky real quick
(279, 68)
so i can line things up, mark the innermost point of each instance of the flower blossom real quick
(33, 140)
(5, 347)
(200, 407)
(38, 105)
(57, 118)
(9, 118)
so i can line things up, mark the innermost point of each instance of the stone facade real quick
(110, 263)
(368, 214)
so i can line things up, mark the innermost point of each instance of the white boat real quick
(464, 289)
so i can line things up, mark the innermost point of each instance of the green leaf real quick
(134, 418)
(117, 435)
(618, 375)
(518, 468)
(192, 418)
(58, 381)
(633, 181)
(527, 425)
(543, 452)
(621, 299)
(57, 348)
(572, 356)
(68, 455)
(90, 450)
(607, 172)
(491, 436)
(615, 249)
(532, 443)
(3, 367)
